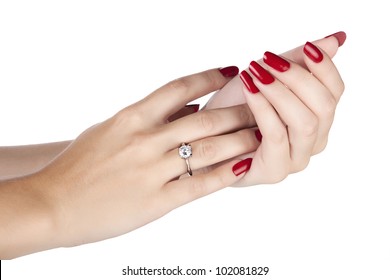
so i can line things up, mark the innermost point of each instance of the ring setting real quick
(185, 152)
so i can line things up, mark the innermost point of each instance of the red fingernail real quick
(340, 36)
(242, 166)
(276, 62)
(248, 82)
(313, 52)
(260, 73)
(229, 71)
(195, 107)
(258, 134)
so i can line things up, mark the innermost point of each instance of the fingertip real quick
(229, 72)
(341, 36)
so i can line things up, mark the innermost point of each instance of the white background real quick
(65, 65)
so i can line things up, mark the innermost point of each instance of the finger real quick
(273, 155)
(205, 124)
(320, 101)
(323, 68)
(330, 44)
(301, 123)
(164, 101)
(187, 110)
(212, 150)
(185, 190)
(228, 95)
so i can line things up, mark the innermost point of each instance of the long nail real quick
(248, 82)
(242, 166)
(276, 62)
(194, 107)
(260, 73)
(229, 71)
(258, 135)
(341, 36)
(313, 52)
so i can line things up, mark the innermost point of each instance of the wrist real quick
(30, 218)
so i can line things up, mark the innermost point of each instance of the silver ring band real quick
(185, 152)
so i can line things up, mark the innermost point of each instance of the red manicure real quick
(242, 166)
(313, 52)
(258, 135)
(340, 36)
(229, 71)
(276, 62)
(260, 73)
(195, 107)
(248, 82)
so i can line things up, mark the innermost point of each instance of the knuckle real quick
(277, 177)
(309, 127)
(206, 121)
(210, 79)
(328, 108)
(198, 187)
(245, 115)
(207, 149)
(129, 117)
(180, 84)
(300, 165)
(277, 136)
(320, 146)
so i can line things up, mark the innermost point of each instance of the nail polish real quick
(276, 62)
(313, 52)
(248, 82)
(260, 73)
(194, 107)
(229, 71)
(258, 135)
(341, 36)
(242, 166)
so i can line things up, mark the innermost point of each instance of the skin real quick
(71, 201)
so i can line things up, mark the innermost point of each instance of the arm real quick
(22, 160)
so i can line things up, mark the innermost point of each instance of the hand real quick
(294, 108)
(126, 171)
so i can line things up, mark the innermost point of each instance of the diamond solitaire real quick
(185, 151)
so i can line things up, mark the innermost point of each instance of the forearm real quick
(26, 219)
(22, 160)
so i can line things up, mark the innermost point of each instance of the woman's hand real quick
(294, 107)
(126, 171)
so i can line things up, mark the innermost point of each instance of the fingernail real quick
(313, 52)
(248, 82)
(260, 73)
(242, 166)
(276, 62)
(229, 71)
(258, 134)
(341, 36)
(195, 107)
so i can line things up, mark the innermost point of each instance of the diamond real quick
(185, 151)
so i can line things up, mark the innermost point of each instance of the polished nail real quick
(242, 166)
(258, 135)
(340, 36)
(260, 73)
(248, 82)
(313, 52)
(229, 71)
(276, 62)
(194, 107)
